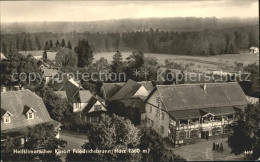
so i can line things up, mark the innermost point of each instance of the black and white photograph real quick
(151, 81)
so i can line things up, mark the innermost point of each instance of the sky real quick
(24, 11)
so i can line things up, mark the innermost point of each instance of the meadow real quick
(224, 62)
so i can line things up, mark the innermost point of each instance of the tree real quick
(25, 46)
(111, 133)
(39, 137)
(84, 52)
(66, 57)
(55, 105)
(38, 43)
(51, 44)
(246, 131)
(158, 148)
(47, 46)
(4, 49)
(117, 65)
(149, 69)
(44, 55)
(134, 63)
(57, 44)
(63, 43)
(69, 45)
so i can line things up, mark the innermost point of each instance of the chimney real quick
(3, 89)
(204, 86)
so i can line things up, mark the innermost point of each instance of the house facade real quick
(254, 50)
(21, 110)
(184, 113)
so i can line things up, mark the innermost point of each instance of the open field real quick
(200, 62)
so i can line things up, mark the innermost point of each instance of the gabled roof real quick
(59, 81)
(110, 89)
(71, 89)
(15, 102)
(92, 102)
(148, 85)
(127, 91)
(193, 96)
(33, 53)
(61, 94)
(84, 96)
(2, 57)
(49, 72)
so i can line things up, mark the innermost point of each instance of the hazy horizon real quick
(89, 11)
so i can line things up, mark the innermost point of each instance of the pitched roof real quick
(2, 57)
(127, 91)
(92, 102)
(51, 56)
(148, 85)
(71, 89)
(15, 102)
(59, 81)
(193, 96)
(196, 113)
(111, 89)
(33, 53)
(61, 94)
(185, 114)
(49, 72)
(84, 96)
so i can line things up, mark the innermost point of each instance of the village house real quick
(71, 89)
(254, 50)
(20, 110)
(38, 54)
(127, 98)
(94, 110)
(48, 74)
(184, 113)
(114, 91)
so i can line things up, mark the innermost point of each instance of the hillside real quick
(128, 25)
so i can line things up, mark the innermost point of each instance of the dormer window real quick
(7, 119)
(29, 112)
(98, 107)
(6, 116)
(30, 115)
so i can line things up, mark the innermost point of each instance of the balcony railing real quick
(199, 125)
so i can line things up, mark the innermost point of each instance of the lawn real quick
(203, 151)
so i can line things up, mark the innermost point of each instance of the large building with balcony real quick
(184, 113)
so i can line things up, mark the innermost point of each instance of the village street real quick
(203, 151)
(73, 141)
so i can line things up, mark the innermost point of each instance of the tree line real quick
(205, 43)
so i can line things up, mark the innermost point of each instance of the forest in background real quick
(185, 36)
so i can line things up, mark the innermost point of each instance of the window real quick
(162, 116)
(94, 119)
(182, 135)
(30, 115)
(149, 122)
(194, 134)
(151, 109)
(98, 107)
(157, 113)
(7, 119)
(216, 131)
(77, 105)
(162, 129)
